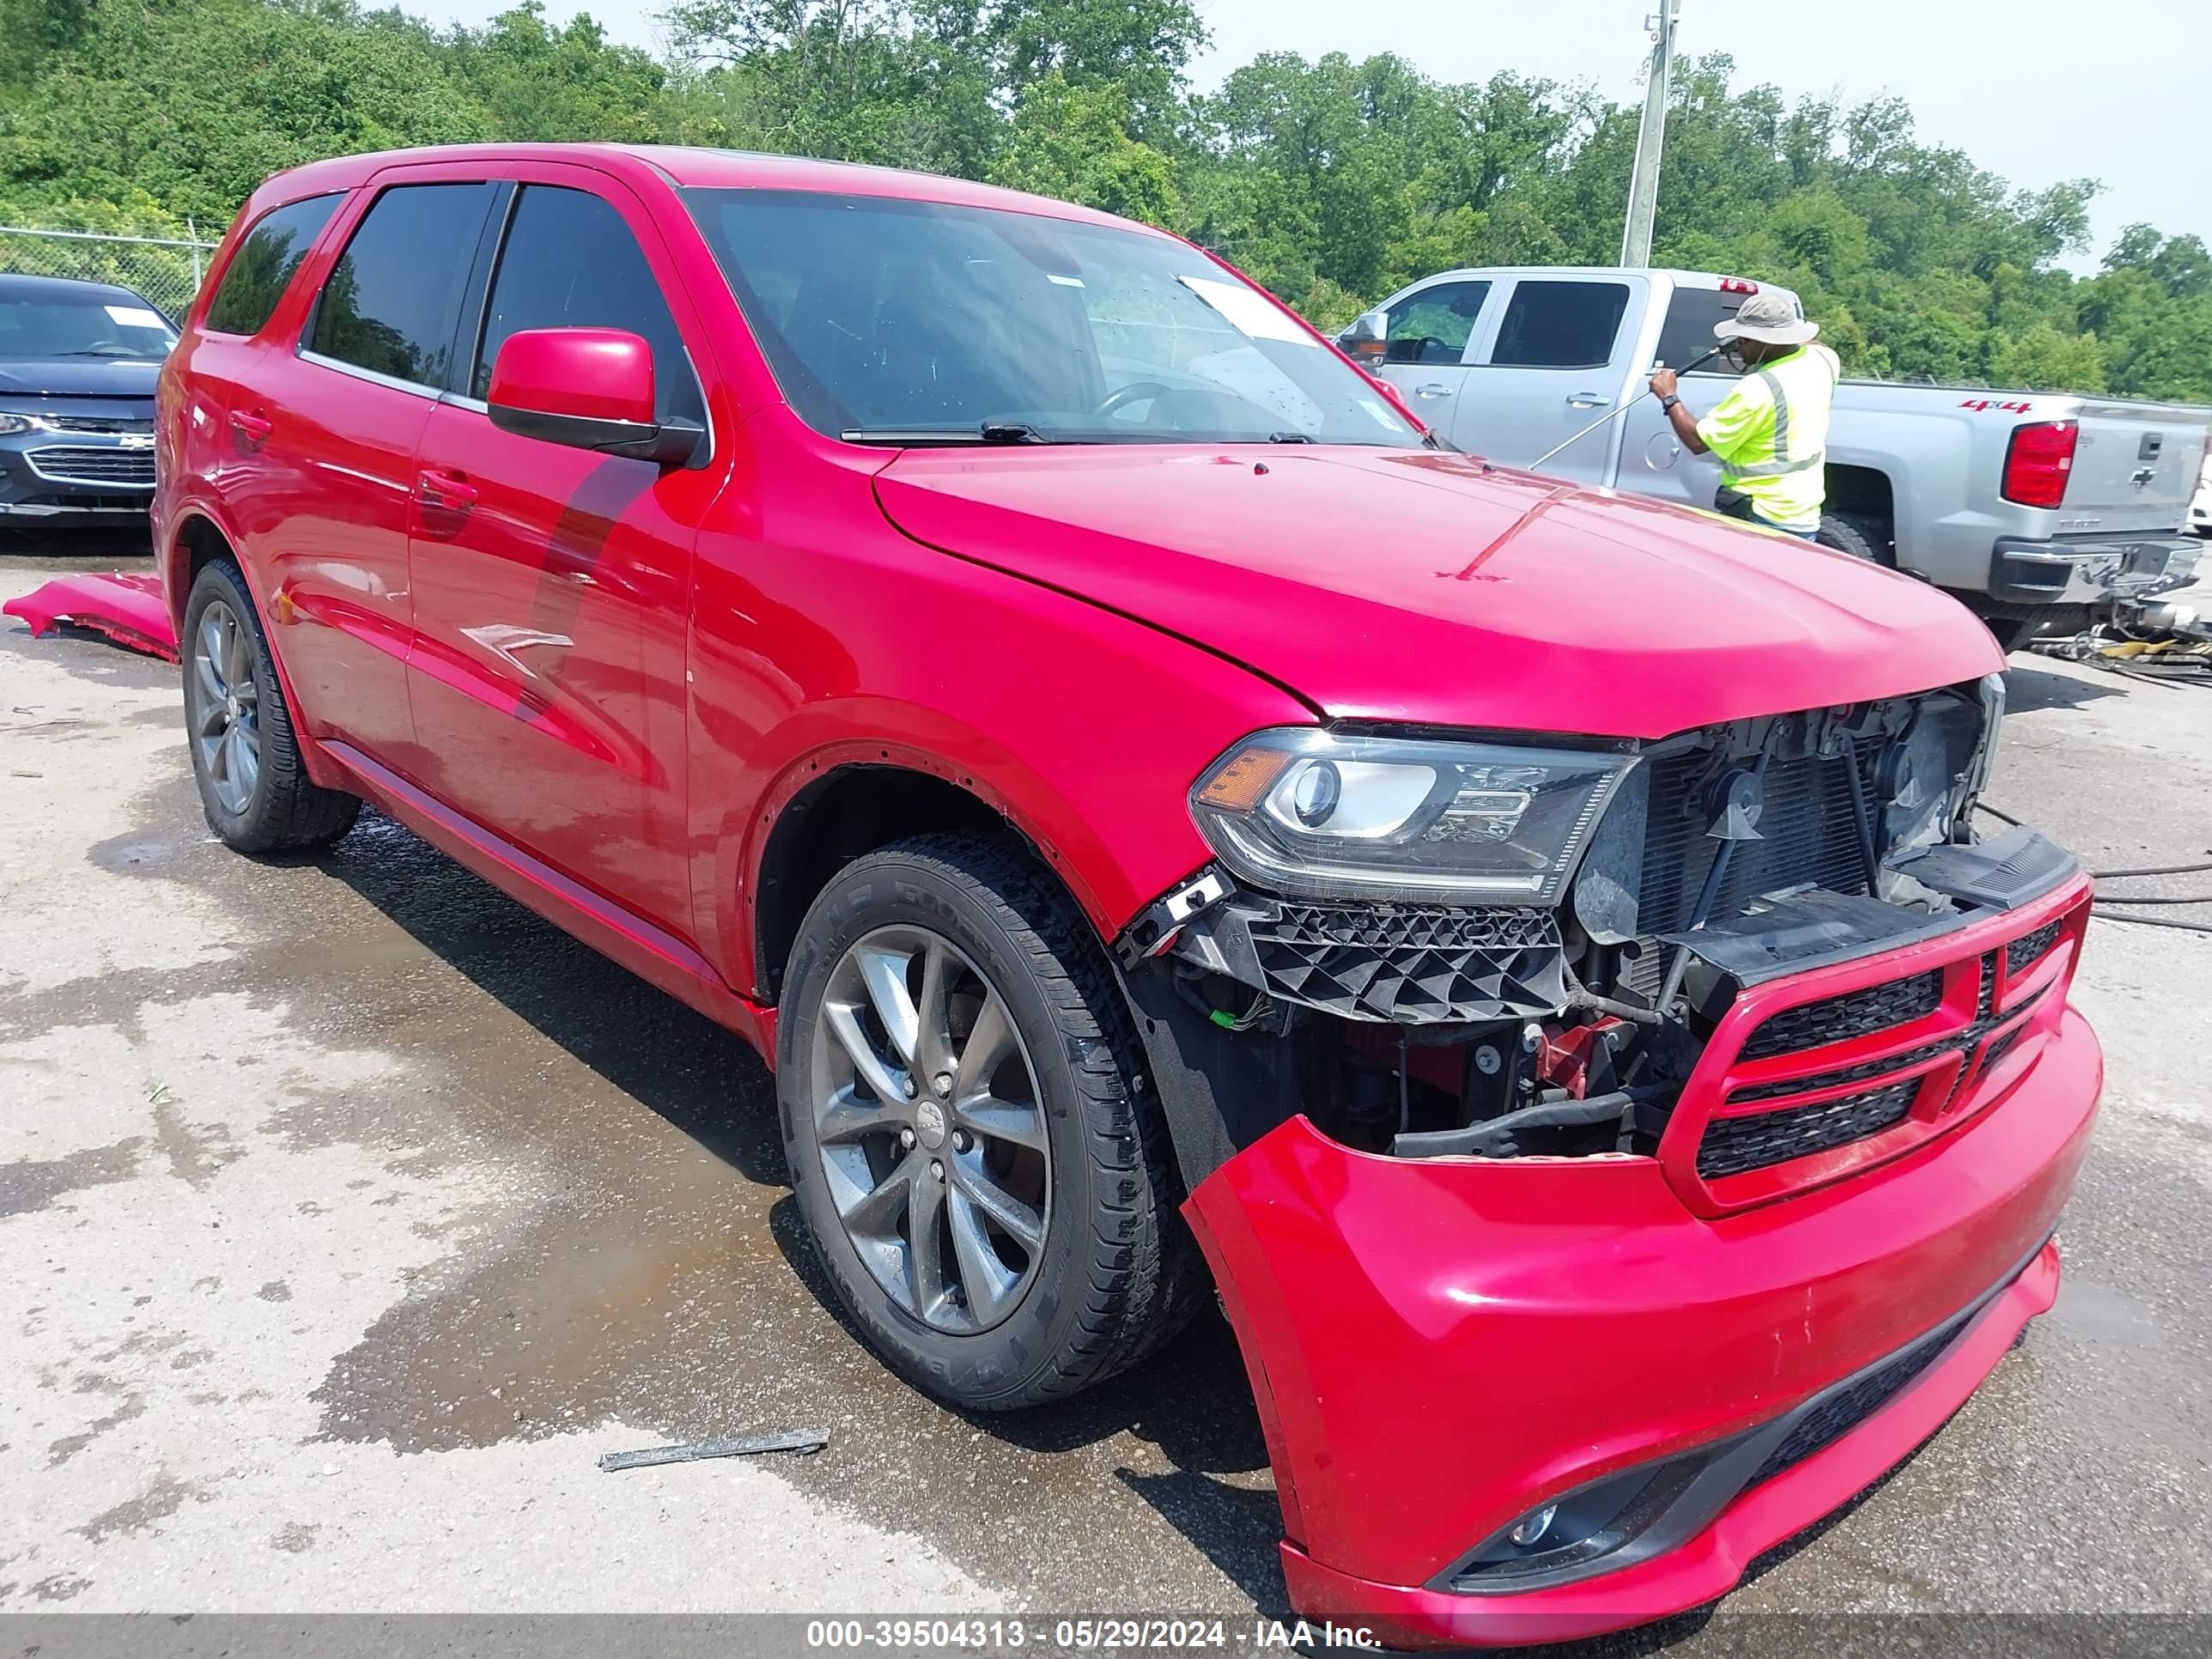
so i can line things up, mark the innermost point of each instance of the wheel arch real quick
(834, 807)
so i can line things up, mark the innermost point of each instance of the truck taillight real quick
(1737, 285)
(2038, 463)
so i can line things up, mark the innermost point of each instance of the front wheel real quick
(970, 1140)
(253, 786)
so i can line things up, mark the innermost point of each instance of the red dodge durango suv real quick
(1176, 829)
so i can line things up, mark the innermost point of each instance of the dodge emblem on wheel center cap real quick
(929, 1121)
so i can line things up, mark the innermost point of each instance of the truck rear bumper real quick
(1441, 1347)
(2076, 571)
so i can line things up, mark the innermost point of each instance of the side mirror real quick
(589, 388)
(1366, 339)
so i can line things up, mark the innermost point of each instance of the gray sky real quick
(2034, 90)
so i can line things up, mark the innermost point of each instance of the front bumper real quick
(1440, 1346)
(2077, 570)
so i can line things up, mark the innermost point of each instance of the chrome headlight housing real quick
(1315, 814)
(12, 423)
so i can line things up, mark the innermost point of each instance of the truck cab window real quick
(1555, 324)
(1432, 326)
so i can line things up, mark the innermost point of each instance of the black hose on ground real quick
(2153, 921)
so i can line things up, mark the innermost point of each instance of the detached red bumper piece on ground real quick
(128, 609)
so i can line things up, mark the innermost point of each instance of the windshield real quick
(883, 318)
(96, 325)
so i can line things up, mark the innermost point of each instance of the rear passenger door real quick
(324, 437)
(552, 584)
(1653, 461)
(1557, 362)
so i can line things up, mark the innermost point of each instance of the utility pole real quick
(1651, 137)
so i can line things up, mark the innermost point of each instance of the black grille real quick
(113, 467)
(1856, 1014)
(2030, 948)
(1849, 1407)
(1807, 837)
(1841, 1075)
(1732, 1146)
(1410, 964)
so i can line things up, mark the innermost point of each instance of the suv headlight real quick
(12, 424)
(1317, 814)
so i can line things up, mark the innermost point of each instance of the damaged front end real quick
(1486, 1061)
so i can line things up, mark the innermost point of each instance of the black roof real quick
(17, 287)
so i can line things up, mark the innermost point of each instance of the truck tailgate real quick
(2134, 467)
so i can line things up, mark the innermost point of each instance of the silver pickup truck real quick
(2031, 507)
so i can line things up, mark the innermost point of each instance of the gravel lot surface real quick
(348, 1212)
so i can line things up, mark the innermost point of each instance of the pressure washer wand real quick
(1537, 465)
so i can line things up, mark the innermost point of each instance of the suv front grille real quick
(1734, 1145)
(1856, 1014)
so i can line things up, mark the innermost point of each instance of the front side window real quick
(72, 319)
(394, 299)
(882, 316)
(1432, 325)
(1560, 324)
(265, 263)
(570, 262)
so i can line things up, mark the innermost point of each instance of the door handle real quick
(1433, 389)
(436, 486)
(1588, 400)
(254, 429)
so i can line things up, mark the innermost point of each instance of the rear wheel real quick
(254, 789)
(1859, 535)
(970, 1139)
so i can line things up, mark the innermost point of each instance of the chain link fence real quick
(165, 270)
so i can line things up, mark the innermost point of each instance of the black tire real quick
(2014, 625)
(1118, 1272)
(1858, 535)
(285, 811)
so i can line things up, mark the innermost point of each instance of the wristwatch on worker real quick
(1668, 403)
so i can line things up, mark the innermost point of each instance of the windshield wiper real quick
(990, 432)
(1293, 438)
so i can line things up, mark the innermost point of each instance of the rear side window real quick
(394, 299)
(570, 262)
(265, 263)
(1557, 325)
(1432, 326)
(1692, 317)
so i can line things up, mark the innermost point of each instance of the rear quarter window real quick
(1687, 335)
(266, 264)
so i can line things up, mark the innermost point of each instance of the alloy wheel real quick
(931, 1130)
(226, 707)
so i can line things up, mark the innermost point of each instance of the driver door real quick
(1425, 346)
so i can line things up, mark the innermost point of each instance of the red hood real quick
(1414, 585)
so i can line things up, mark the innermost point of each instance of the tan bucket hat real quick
(1766, 317)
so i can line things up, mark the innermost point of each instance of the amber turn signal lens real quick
(1242, 780)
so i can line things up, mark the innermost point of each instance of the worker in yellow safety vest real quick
(1771, 432)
